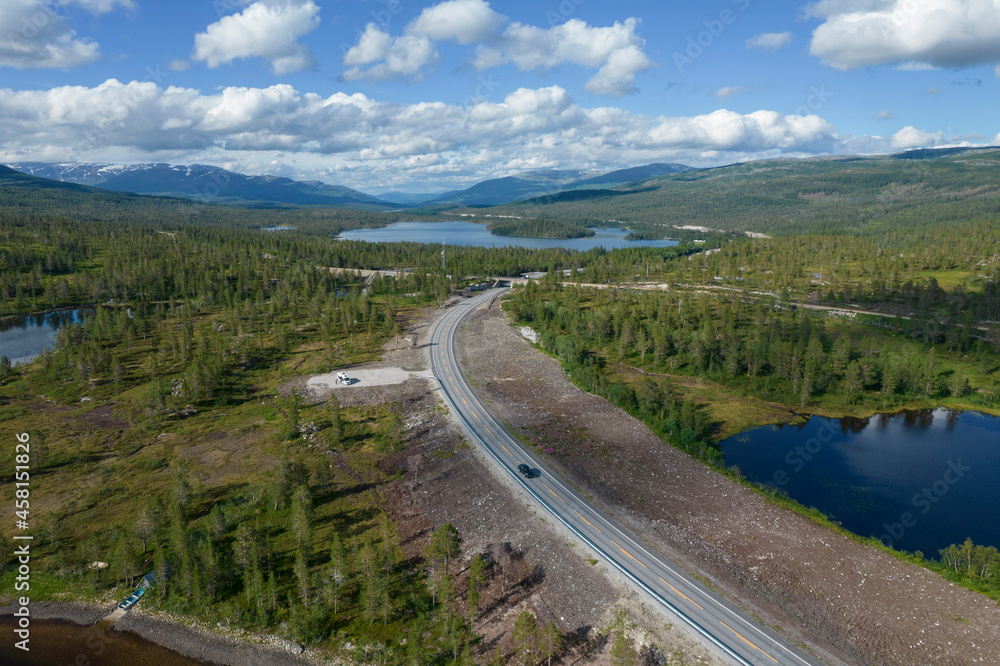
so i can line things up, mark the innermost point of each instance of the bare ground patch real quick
(359, 378)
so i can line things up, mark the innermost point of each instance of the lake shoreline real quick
(170, 633)
(477, 234)
(42, 313)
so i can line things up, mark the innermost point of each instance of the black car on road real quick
(524, 469)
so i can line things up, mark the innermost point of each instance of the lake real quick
(55, 642)
(917, 480)
(468, 233)
(24, 338)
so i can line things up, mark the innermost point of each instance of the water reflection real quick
(867, 472)
(59, 642)
(23, 338)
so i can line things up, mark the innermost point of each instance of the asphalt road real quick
(741, 639)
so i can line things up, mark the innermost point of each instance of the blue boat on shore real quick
(133, 598)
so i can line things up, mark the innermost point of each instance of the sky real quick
(421, 96)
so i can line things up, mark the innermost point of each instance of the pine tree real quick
(550, 641)
(335, 435)
(526, 637)
(476, 576)
(338, 569)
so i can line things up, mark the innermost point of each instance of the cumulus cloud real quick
(725, 130)
(393, 57)
(729, 91)
(616, 51)
(363, 140)
(37, 36)
(268, 29)
(770, 41)
(911, 137)
(884, 114)
(462, 21)
(939, 33)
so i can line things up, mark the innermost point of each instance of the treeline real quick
(536, 228)
(787, 354)
(53, 263)
(897, 272)
(973, 566)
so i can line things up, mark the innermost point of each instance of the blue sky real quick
(424, 96)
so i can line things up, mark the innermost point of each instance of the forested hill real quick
(855, 195)
(23, 195)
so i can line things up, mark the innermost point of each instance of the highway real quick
(741, 639)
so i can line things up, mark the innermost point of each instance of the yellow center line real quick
(466, 404)
(507, 450)
(630, 555)
(748, 642)
(588, 522)
(477, 417)
(681, 593)
(491, 434)
(553, 492)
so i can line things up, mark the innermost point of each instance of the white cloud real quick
(884, 114)
(35, 36)
(729, 91)
(357, 140)
(770, 41)
(464, 21)
(396, 57)
(179, 65)
(725, 130)
(911, 137)
(915, 66)
(616, 50)
(940, 33)
(268, 29)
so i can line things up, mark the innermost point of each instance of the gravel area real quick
(850, 602)
(360, 378)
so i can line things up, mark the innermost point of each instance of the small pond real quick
(917, 480)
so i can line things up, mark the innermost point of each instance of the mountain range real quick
(213, 184)
(209, 184)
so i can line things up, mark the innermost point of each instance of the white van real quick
(342, 378)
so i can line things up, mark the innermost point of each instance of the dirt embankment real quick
(852, 602)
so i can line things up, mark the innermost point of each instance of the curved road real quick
(743, 640)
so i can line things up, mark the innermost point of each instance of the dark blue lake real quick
(24, 338)
(468, 233)
(918, 480)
